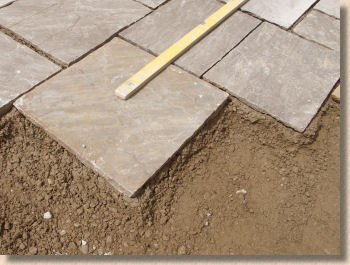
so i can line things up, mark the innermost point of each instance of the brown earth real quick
(292, 204)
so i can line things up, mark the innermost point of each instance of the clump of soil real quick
(245, 184)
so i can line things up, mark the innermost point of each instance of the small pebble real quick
(84, 146)
(83, 243)
(63, 232)
(181, 250)
(33, 251)
(206, 223)
(242, 191)
(47, 215)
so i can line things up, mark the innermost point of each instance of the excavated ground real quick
(292, 204)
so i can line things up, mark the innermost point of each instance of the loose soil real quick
(292, 204)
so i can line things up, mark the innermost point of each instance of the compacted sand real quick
(288, 199)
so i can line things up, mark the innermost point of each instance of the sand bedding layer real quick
(288, 200)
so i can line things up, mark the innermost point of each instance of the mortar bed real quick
(245, 184)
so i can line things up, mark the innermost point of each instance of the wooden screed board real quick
(138, 80)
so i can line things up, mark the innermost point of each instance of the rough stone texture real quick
(279, 73)
(125, 141)
(68, 29)
(176, 18)
(320, 28)
(20, 70)
(282, 12)
(330, 7)
(5, 2)
(152, 3)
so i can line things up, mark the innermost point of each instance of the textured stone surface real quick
(5, 2)
(68, 29)
(336, 93)
(176, 18)
(279, 73)
(152, 3)
(330, 7)
(125, 141)
(320, 28)
(20, 70)
(282, 12)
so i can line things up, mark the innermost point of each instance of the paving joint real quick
(31, 46)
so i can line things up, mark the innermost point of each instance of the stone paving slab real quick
(5, 2)
(279, 73)
(20, 70)
(152, 3)
(336, 93)
(281, 12)
(320, 28)
(68, 29)
(170, 22)
(330, 7)
(125, 141)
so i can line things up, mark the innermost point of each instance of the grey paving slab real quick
(125, 141)
(279, 73)
(67, 29)
(320, 28)
(5, 2)
(20, 70)
(330, 7)
(172, 21)
(152, 3)
(281, 12)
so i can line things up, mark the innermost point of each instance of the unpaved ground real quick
(292, 205)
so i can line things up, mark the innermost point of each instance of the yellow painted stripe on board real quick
(135, 83)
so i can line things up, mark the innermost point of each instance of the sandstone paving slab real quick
(20, 70)
(5, 2)
(68, 29)
(330, 7)
(170, 22)
(336, 93)
(279, 73)
(152, 3)
(281, 12)
(125, 141)
(320, 28)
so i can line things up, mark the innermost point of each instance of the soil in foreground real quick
(288, 200)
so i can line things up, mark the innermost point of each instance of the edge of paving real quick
(132, 194)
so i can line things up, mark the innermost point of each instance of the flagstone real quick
(5, 2)
(20, 70)
(320, 28)
(68, 29)
(281, 12)
(152, 3)
(330, 7)
(125, 141)
(175, 19)
(279, 73)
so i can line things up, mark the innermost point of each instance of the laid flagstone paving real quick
(320, 28)
(330, 7)
(20, 70)
(281, 12)
(152, 3)
(279, 73)
(67, 29)
(125, 141)
(169, 23)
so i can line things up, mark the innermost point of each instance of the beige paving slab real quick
(68, 29)
(279, 73)
(125, 141)
(170, 22)
(20, 70)
(152, 3)
(281, 12)
(321, 28)
(330, 7)
(5, 2)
